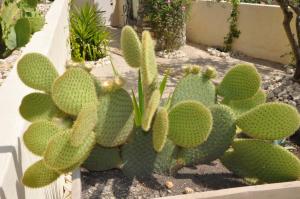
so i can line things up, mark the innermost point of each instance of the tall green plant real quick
(89, 36)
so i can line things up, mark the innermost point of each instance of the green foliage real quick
(88, 34)
(262, 160)
(167, 20)
(234, 32)
(270, 121)
(37, 71)
(190, 123)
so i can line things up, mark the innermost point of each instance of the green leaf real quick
(137, 111)
(141, 94)
(164, 82)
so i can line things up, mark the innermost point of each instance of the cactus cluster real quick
(18, 20)
(80, 121)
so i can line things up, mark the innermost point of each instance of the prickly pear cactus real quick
(80, 120)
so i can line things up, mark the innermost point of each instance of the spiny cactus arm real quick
(38, 106)
(150, 110)
(102, 159)
(240, 82)
(115, 118)
(37, 71)
(84, 124)
(38, 134)
(160, 129)
(268, 162)
(242, 106)
(61, 155)
(22, 31)
(149, 67)
(190, 123)
(270, 121)
(194, 87)
(218, 141)
(131, 47)
(38, 175)
(74, 89)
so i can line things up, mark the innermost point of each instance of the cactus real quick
(72, 90)
(262, 160)
(192, 118)
(115, 118)
(37, 136)
(22, 31)
(38, 175)
(196, 126)
(37, 71)
(131, 47)
(38, 106)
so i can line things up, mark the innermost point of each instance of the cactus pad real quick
(190, 123)
(115, 118)
(240, 82)
(149, 66)
(131, 47)
(38, 106)
(61, 155)
(219, 140)
(150, 110)
(38, 134)
(102, 159)
(138, 155)
(38, 175)
(241, 106)
(84, 124)
(270, 121)
(74, 89)
(37, 71)
(194, 87)
(160, 129)
(263, 160)
(23, 31)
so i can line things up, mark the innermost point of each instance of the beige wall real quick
(262, 34)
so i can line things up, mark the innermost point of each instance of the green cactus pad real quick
(242, 106)
(131, 47)
(160, 129)
(38, 175)
(115, 118)
(219, 140)
(190, 123)
(23, 32)
(74, 89)
(61, 155)
(240, 82)
(37, 71)
(38, 106)
(149, 66)
(84, 124)
(165, 162)
(263, 160)
(270, 121)
(102, 159)
(38, 134)
(36, 23)
(150, 110)
(138, 155)
(194, 87)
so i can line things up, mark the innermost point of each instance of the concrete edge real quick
(76, 184)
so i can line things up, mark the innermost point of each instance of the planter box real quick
(262, 33)
(51, 41)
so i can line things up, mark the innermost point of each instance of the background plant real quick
(167, 19)
(88, 34)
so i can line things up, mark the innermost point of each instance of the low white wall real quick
(51, 41)
(262, 34)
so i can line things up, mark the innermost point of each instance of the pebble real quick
(171, 55)
(188, 190)
(169, 184)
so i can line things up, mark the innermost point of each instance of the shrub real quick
(167, 19)
(89, 36)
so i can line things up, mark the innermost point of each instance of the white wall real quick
(51, 41)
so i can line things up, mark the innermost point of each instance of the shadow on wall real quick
(18, 169)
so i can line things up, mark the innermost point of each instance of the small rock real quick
(188, 190)
(169, 184)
